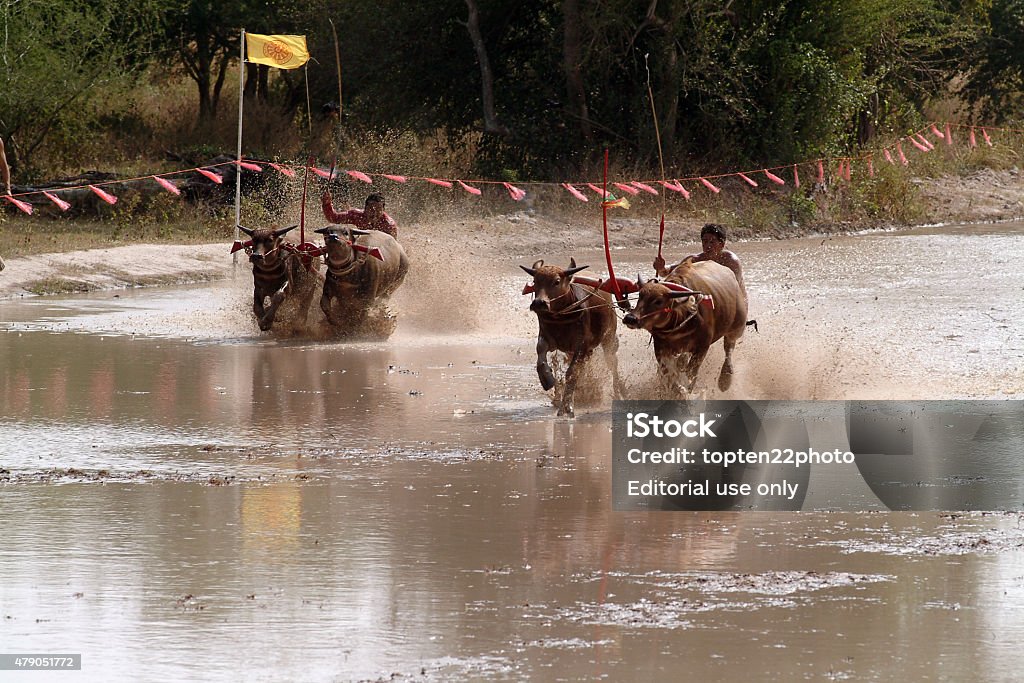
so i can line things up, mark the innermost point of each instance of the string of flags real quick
(893, 154)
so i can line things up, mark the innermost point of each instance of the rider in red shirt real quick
(371, 217)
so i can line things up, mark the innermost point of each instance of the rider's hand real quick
(659, 265)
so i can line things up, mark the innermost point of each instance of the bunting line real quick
(943, 131)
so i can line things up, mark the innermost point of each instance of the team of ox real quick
(693, 307)
(363, 269)
(696, 304)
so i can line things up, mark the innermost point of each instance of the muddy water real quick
(187, 499)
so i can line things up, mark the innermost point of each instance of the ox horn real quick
(682, 295)
(529, 271)
(357, 231)
(572, 271)
(281, 231)
(639, 281)
(325, 230)
(247, 231)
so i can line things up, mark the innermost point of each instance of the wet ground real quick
(183, 498)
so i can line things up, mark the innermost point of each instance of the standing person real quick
(712, 239)
(371, 217)
(5, 176)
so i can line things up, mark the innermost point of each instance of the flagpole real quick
(238, 169)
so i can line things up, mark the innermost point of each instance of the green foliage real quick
(59, 61)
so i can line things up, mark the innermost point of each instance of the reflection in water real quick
(414, 508)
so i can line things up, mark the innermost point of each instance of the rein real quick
(574, 308)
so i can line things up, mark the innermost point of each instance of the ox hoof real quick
(547, 378)
(724, 380)
(566, 411)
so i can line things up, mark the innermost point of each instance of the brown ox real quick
(274, 269)
(684, 324)
(575, 319)
(364, 267)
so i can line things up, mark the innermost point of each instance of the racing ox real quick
(696, 305)
(364, 267)
(574, 318)
(276, 268)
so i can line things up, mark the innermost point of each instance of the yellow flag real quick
(282, 52)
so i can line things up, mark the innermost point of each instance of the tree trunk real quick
(572, 56)
(491, 123)
(222, 71)
(251, 71)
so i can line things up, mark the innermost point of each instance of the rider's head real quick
(374, 206)
(712, 238)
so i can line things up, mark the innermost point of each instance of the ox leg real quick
(668, 375)
(547, 378)
(611, 348)
(725, 376)
(572, 374)
(328, 309)
(258, 309)
(266, 321)
(692, 367)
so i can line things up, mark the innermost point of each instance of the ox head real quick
(655, 304)
(550, 283)
(338, 241)
(265, 241)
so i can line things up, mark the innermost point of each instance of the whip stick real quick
(661, 158)
(337, 60)
(302, 209)
(604, 218)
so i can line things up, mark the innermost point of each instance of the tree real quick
(57, 59)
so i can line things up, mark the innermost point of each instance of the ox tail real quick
(754, 323)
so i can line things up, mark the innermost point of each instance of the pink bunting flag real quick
(750, 181)
(676, 186)
(24, 206)
(359, 175)
(167, 185)
(396, 178)
(248, 166)
(600, 193)
(796, 176)
(514, 191)
(925, 141)
(64, 206)
(821, 172)
(848, 170)
(988, 140)
(917, 144)
(469, 188)
(774, 178)
(108, 198)
(888, 157)
(903, 157)
(707, 184)
(973, 141)
(575, 193)
(320, 172)
(211, 175)
(871, 167)
(949, 135)
(937, 133)
(628, 189)
(442, 183)
(284, 170)
(643, 186)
